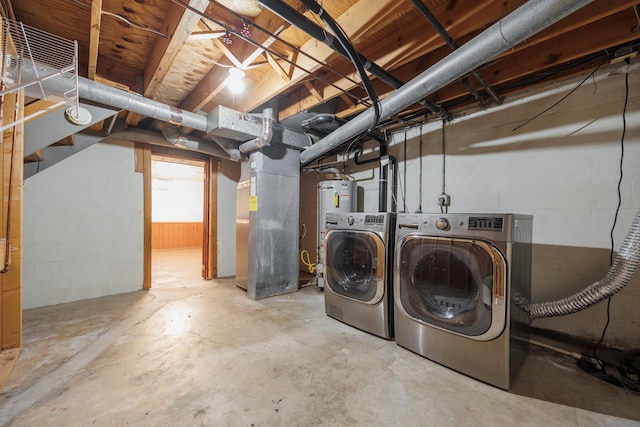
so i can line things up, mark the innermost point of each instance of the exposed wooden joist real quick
(227, 53)
(285, 75)
(593, 13)
(178, 23)
(315, 93)
(209, 85)
(94, 37)
(352, 21)
(473, 17)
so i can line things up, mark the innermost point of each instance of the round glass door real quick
(456, 284)
(354, 265)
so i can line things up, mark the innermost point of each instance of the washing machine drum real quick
(455, 284)
(354, 265)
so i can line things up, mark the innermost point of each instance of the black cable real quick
(353, 56)
(615, 217)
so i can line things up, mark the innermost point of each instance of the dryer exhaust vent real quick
(622, 270)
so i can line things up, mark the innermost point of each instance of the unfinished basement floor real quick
(194, 352)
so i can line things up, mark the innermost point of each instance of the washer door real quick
(455, 284)
(354, 265)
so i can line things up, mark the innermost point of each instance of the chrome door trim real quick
(499, 303)
(380, 250)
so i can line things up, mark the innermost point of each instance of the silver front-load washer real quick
(358, 277)
(454, 277)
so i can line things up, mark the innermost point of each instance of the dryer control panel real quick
(486, 223)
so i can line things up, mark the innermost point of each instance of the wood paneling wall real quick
(169, 235)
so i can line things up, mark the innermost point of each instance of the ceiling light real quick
(235, 80)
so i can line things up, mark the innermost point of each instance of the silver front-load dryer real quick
(454, 277)
(358, 280)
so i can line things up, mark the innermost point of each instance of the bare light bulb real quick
(235, 80)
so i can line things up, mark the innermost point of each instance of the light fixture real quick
(235, 80)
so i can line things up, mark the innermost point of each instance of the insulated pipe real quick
(267, 133)
(292, 16)
(453, 45)
(527, 20)
(103, 94)
(620, 273)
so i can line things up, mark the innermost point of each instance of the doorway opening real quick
(179, 220)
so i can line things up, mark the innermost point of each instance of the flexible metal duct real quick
(522, 23)
(620, 273)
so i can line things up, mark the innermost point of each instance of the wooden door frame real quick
(210, 220)
(11, 167)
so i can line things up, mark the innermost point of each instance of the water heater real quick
(336, 195)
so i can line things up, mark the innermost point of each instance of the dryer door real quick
(454, 284)
(354, 265)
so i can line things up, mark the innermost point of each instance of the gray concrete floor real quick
(194, 352)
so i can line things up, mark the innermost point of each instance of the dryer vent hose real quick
(622, 270)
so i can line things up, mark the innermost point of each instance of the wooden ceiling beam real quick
(548, 54)
(94, 37)
(408, 46)
(226, 52)
(355, 18)
(437, 50)
(178, 23)
(209, 85)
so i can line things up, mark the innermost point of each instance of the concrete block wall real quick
(562, 168)
(83, 227)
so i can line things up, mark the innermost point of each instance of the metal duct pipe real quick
(103, 94)
(292, 16)
(267, 133)
(522, 23)
(620, 273)
(453, 45)
(173, 135)
(187, 143)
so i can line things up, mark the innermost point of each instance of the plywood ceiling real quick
(178, 51)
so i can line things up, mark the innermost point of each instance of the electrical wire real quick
(561, 99)
(122, 18)
(404, 172)
(420, 175)
(615, 217)
(444, 164)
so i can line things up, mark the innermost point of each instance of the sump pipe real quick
(103, 94)
(622, 270)
(524, 22)
(292, 16)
